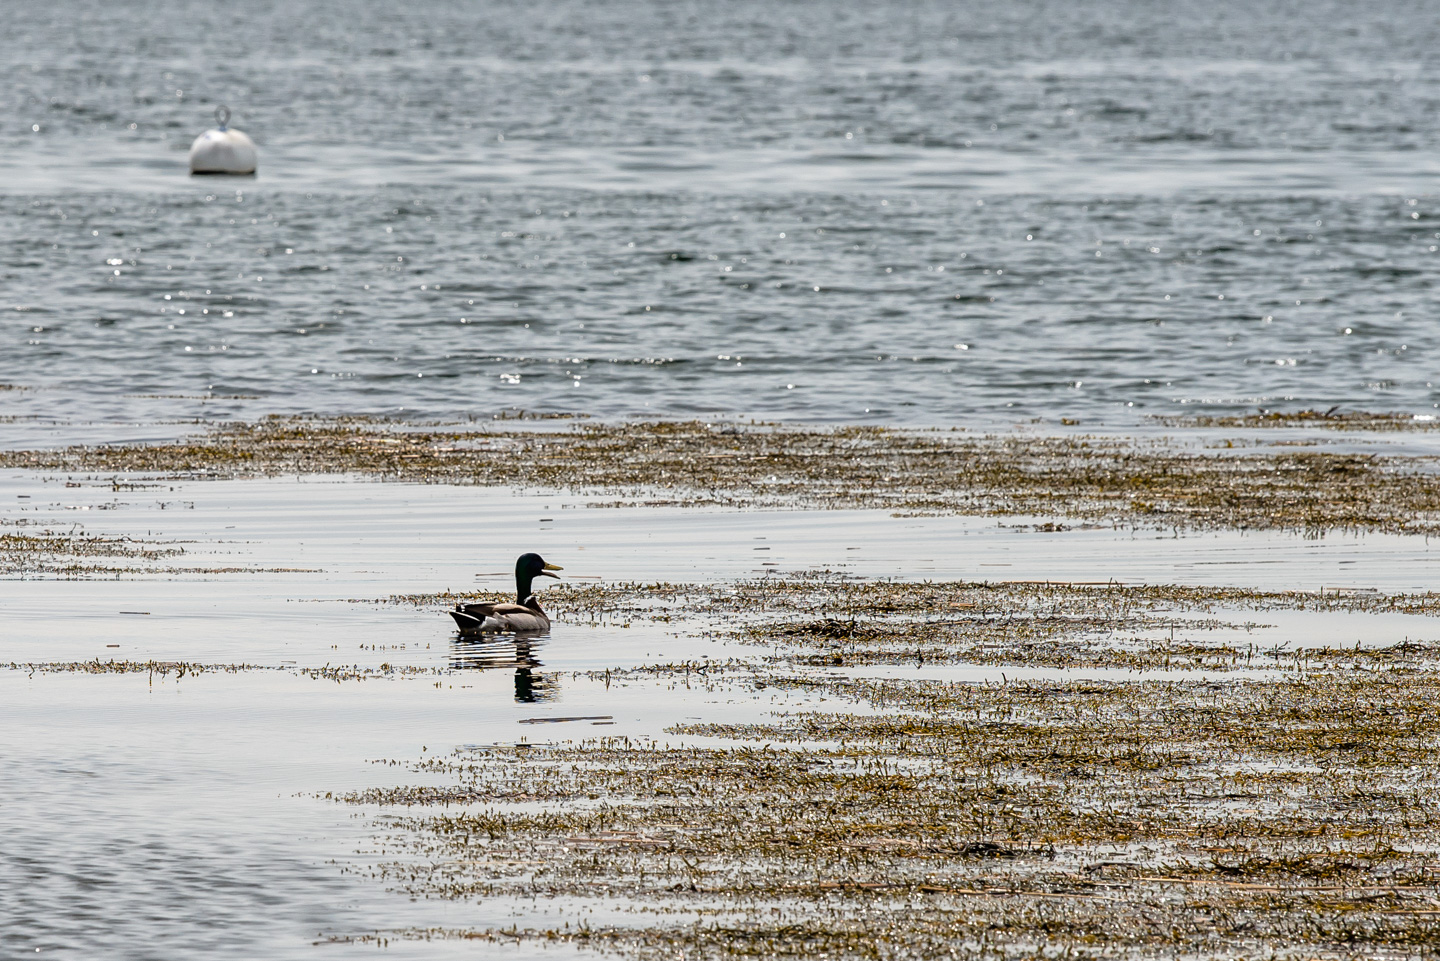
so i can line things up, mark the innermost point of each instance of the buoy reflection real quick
(501, 652)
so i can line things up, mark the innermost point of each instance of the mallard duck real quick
(524, 615)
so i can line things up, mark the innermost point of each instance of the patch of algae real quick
(83, 556)
(337, 673)
(71, 554)
(1277, 813)
(830, 620)
(1332, 419)
(1103, 479)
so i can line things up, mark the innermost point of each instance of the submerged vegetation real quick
(71, 553)
(933, 769)
(1288, 809)
(74, 554)
(183, 669)
(830, 620)
(1332, 419)
(1093, 478)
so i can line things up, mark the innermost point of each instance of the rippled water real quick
(905, 213)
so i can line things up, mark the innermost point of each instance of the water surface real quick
(900, 213)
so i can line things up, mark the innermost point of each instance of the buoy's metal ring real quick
(222, 115)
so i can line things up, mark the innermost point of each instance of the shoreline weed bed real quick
(1082, 477)
(823, 619)
(1291, 814)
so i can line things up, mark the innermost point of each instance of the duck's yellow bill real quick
(553, 567)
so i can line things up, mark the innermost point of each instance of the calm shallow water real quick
(1009, 210)
(156, 817)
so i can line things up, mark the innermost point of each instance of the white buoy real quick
(222, 151)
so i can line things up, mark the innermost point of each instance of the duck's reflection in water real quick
(518, 651)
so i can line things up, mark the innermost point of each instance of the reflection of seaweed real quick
(493, 653)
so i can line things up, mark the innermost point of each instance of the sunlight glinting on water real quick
(883, 210)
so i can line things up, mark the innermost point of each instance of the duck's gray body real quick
(523, 616)
(501, 618)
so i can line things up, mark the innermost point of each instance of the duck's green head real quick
(527, 568)
(531, 566)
